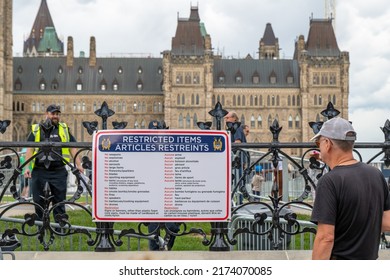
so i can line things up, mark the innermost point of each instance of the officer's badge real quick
(217, 144)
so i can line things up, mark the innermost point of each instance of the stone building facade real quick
(184, 84)
(6, 65)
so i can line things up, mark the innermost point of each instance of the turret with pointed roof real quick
(269, 44)
(43, 39)
(191, 37)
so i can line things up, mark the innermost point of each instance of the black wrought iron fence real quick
(266, 221)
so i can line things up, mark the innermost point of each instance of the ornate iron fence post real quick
(105, 230)
(219, 230)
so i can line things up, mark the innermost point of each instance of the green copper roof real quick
(49, 41)
(203, 29)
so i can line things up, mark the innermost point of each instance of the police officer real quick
(55, 173)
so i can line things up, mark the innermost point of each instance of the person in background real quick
(238, 136)
(352, 204)
(257, 182)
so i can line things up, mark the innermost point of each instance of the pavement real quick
(173, 255)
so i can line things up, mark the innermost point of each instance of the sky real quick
(128, 27)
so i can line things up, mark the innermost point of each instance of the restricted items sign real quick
(161, 175)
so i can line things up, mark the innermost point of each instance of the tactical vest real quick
(63, 132)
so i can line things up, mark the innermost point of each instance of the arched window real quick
(178, 99)
(290, 122)
(243, 101)
(213, 100)
(334, 99)
(238, 100)
(242, 119)
(268, 100)
(197, 99)
(192, 99)
(154, 106)
(289, 100)
(259, 122)
(135, 106)
(315, 99)
(188, 121)
(293, 100)
(297, 122)
(195, 120)
(253, 122)
(183, 99)
(269, 120)
(251, 100)
(320, 100)
(180, 121)
(273, 100)
(256, 100)
(298, 100)
(234, 100)
(277, 100)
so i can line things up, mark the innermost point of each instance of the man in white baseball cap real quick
(352, 203)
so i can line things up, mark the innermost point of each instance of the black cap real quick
(53, 108)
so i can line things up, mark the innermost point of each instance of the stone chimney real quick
(69, 52)
(92, 52)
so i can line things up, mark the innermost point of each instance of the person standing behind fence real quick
(257, 182)
(56, 174)
(352, 199)
(238, 136)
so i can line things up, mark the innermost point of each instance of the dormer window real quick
(18, 84)
(54, 85)
(272, 77)
(115, 85)
(140, 85)
(79, 85)
(238, 78)
(42, 84)
(159, 70)
(120, 70)
(60, 70)
(20, 69)
(103, 85)
(100, 70)
(139, 70)
(255, 78)
(80, 70)
(221, 77)
(40, 70)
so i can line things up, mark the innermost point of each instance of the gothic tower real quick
(269, 44)
(324, 72)
(43, 39)
(188, 74)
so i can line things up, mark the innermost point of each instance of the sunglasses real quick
(318, 141)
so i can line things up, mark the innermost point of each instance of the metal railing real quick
(268, 221)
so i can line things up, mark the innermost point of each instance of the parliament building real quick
(180, 87)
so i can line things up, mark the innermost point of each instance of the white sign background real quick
(161, 175)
